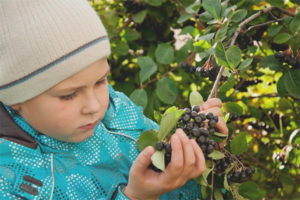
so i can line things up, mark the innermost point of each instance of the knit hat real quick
(43, 42)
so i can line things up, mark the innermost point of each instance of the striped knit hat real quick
(43, 42)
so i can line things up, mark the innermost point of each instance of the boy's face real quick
(70, 110)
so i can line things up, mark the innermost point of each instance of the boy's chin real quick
(78, 138)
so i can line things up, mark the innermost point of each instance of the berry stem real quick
(212, 181)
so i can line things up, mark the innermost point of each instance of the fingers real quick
(200, 165)
(210, 103)
(177, 160)
(188, 152)
(215, 110)
(142, 161)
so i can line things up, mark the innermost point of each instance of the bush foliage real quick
(161, 48)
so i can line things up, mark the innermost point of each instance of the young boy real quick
(64, 132)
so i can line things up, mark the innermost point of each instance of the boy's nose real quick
(92, 103)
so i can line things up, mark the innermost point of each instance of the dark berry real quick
(198, 119)
(216, 118)
(212, 123)
(159, 146)
(186, 118)
(168, 148)
(209, 115)
(202, 115)
(196, 109)
(210, 148)
(195, 132)
(201, 139)
(194, 114)
(187, 111)
(203, 131)
(211, 131)
(189, 126)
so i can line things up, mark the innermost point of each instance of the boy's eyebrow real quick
(80, 87)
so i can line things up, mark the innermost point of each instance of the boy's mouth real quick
(89, 126)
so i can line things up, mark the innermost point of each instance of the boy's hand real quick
(214, 105)
(187, 162)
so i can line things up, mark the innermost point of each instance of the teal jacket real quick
(93, 169)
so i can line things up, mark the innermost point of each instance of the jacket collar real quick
(9, 130)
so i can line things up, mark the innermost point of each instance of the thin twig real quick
(262, 24)
(158, 78)
(287, 12)
(212, 181)
(240, 28)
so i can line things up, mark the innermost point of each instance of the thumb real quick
(143, 160)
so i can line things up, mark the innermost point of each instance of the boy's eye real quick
(101, 82)
(68, 97)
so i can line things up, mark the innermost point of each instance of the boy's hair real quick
(45, 42)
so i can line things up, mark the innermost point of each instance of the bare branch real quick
(240, 28)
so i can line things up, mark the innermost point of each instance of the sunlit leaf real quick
(158, 160)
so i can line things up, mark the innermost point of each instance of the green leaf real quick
(186, 3)
(294, 25)
(187, 29)
(154, 2)
(233, 107)
(216, 155)
(203, 178)
(148, 67)
(213, 7)
(239, 144)
(250, 190)
(164, 53)
(131, 35)
(158, 160)
(193, 8)
(221, 33)
(139, 97)
(167, 123)
(205, 17)
(284, 104)
(148, 138)
(282, 38)
(234, 56)
(220, 55)
(220, 135)
(255, 112)
(140, 16)
(157, 116)
(207, 37)
(170, 110)
(291, 80)
(277, 3)
(183, 18)
(245, 64)
(121, 48)
(239, 15)
(226, 185)
(196, 99)
(281, 87)
(273, 30)
(218, 194)
(227, 85)
(271, 62)
(166, 90)
(184, 51)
